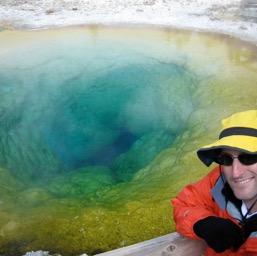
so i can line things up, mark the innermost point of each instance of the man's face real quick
(241, 178)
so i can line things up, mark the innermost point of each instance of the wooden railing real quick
(168, 245)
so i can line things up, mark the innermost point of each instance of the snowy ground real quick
(209, 15)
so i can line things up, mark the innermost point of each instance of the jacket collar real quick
(225, 198)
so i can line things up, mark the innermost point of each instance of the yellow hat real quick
(238, 132)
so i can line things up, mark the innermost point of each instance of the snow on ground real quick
(221, 16)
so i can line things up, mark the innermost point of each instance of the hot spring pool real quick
(99, 128)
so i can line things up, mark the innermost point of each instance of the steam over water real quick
(99, 127)
(78, 100)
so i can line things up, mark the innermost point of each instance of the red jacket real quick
(205, 198)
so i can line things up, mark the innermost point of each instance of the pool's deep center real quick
(112, 109)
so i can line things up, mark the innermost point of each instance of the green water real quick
(99, 127)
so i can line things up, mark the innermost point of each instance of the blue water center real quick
(82, 100)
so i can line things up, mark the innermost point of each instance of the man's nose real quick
(237, 168)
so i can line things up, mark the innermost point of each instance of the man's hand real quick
(220, 234)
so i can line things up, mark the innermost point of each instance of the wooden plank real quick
(168, 245)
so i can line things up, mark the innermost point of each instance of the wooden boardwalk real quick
(168, 245)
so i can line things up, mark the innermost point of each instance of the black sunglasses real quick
(245, 159)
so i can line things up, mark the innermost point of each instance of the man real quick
(222, 207)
